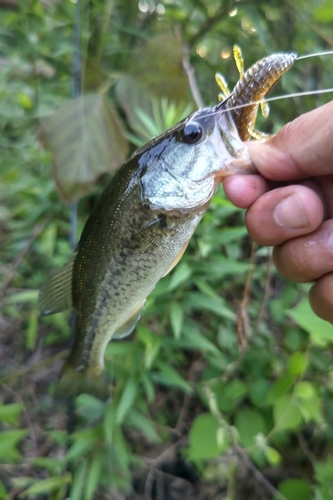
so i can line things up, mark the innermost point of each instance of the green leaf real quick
(229, 395)
(148, 123)
(258, 390)
(152, 345)
(25, 296)
(324, 14)
(321, 332)
(50, 464)
(157, 65)
(222, 267)
(89, 407)
(108, 422)
(281, 386)
(305, 390)
(80, 474)
(3, 493)
(297, 363)
(148, 386)
(324, 477)
(203, 438)
(8, 441)
(169, 377)
(48, 485)
(131, 97)
(86, 139)
(193, 339)
(181, 274)
(295, 489)
(286, 413)
(249, 422)
(94, 472)
(32, 331)
(127, 399)
(10, 413)
(197, 300)
(176, 319)
(136, 419)
(309, 402)
(78, 449)
(273, 456)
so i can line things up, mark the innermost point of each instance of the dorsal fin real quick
(56, 294)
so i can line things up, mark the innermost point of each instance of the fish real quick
(138, 231)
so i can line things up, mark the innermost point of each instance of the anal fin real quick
(129, 324)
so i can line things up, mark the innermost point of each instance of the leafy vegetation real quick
(225, 390)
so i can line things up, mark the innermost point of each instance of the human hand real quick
(297, 218)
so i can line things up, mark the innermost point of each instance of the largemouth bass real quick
(135, 235)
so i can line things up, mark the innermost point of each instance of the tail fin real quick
(73, 382)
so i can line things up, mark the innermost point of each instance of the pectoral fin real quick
(128, 326)
(56, 294)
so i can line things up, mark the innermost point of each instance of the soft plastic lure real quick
(252, 87)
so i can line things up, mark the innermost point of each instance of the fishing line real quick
(317, 54)
(286, 96)
(211, 111)
(72, 236)
(276, 98)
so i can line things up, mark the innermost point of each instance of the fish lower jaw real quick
(241, 166)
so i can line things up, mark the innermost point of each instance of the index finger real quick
(303, 148)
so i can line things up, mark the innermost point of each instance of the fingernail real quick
(290, 213)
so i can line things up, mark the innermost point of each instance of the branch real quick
(212, 403)
(189, 70)
(243, 325)
(33, 368)
(12, 269)
(9, 4)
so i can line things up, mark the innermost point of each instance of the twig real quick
(9, 4)
(189, 70)
(192, 377)
(243, 326)
(303, 444)
(11, 272)
(257, 474)
(267, 289)
(33, 368)
(311, 25)
(236, 448)
(154, 465)
(18, 397)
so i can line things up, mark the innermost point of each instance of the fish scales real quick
(121, 263)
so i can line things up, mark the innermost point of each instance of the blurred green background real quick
(225, 389)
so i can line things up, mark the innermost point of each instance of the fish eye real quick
(192, 133)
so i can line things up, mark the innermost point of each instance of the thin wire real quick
(76, 90)
(219, 107)
(317, 54)
(287, 96)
